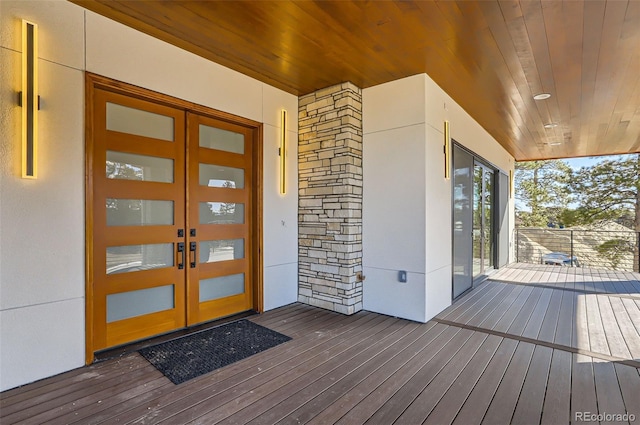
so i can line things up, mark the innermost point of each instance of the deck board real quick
(564, 329)
(607, 388)
(557, 400)
(522, 318)
(628, 330)
(432, 393)
(492, 319)
(506, 321)
(278, 404)
(528, 409)
(534, 324)
(550, 321)
(49, 406)
(506, 397)
(580, 337)
(238, 388)
(407, 361)
(377, 399)
(372, 374)
(536, 344)
(597, 336)
(583, 391)
(259, 368)
(396, 404)
(629, 381)
(59, 385)
(615, 340)
(452, 401)
(476, 405)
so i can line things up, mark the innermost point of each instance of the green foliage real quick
(609, 189)
(577, 217)
(541, 185)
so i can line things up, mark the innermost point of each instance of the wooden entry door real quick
(139, 219)
(220, 218)
(172, 225)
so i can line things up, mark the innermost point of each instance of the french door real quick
(170, 218)
(220, 187)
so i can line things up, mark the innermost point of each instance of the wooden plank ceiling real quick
(492, 57)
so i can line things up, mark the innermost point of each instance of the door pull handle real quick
(192, 250)
(181, 251)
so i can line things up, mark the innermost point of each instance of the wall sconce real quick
(29, 99)
(282, 151)
(447, 151)
(510, 184)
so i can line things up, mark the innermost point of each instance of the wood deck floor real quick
(532, 345)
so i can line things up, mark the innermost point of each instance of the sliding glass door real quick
(483, 234)
(474, 232)
(462, 220)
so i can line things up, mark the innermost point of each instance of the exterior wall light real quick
(447, 151)
(282, 151)
(511, 185)
(29, 99)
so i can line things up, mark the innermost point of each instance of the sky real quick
(577, 163)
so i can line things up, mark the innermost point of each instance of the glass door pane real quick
(139, 212)
(483, 228)
(462, 220)
(125, 305)
(139, 122)
(478, 227)
(129, 166)
(487, 205)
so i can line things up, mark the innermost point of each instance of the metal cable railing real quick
(602, 249)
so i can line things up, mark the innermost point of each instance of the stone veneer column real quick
(330, 198)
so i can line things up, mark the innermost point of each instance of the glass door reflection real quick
(477, 220)
(483, 238)
(462, 220)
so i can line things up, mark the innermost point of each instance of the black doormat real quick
(193, 355)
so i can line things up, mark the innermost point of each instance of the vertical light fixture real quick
(447, 151)
(29, 99)
(283, 151)
(510, 183)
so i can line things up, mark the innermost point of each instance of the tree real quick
(606, 191)
(227, 209)
(610, 189)
(541, 185)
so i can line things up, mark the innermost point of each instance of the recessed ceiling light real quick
(550, 125)
(555, 144)
(541, 96)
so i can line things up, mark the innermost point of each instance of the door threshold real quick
(122, 350)
(486, 275)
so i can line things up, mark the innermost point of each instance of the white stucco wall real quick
(42, 221)
(406, 199)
